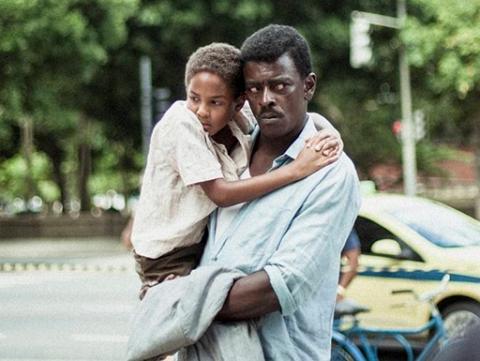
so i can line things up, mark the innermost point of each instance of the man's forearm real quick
(250, 296)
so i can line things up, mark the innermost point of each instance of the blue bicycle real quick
(345, 349)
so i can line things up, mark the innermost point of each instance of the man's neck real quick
(266, 150)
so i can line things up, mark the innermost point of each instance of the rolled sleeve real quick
(285, 298)
(308, 257)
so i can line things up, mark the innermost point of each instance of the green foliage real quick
(74, 62)
(447, 40)
(13, 175)
(443, 42)
(51, 51)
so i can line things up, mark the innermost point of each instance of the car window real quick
(440, 225)
(370, 232)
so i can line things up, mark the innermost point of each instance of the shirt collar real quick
(296, 147)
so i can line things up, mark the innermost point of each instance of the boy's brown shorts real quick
(180, 262)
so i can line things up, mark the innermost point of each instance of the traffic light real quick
(360, 42)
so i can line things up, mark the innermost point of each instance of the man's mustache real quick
(265, 114)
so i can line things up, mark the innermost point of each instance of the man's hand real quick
(250, 297)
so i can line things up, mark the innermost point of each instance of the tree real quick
(443, 41)
(50, 51)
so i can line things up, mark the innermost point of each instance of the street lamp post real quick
(360, 27)
(408, 137)
(145, 70)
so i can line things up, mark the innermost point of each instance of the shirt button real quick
(214, 259)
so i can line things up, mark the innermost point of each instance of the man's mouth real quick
(269, 116)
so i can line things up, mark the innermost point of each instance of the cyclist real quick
(351, 253)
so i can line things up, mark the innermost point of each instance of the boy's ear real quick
(239, 102)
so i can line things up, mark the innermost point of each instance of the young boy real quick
(196, 155)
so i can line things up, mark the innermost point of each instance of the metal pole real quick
(146, 101)
(408, 138)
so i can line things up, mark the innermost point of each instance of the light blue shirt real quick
(296, 235)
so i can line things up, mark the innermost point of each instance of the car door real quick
(387, 263)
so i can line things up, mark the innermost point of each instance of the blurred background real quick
(71, 131)
(82, 83)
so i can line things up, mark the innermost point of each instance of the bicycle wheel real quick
(339, 353)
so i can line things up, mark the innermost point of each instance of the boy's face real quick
(212, 101)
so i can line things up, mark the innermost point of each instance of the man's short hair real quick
(220, 59)
(271, 42)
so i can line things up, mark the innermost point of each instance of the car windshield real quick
(439, 224)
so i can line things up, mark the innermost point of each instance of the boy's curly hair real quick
(271, 42)
(217, 58)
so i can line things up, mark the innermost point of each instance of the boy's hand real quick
(309, 160)
(320, 150)
(170, 277)
(327, 141)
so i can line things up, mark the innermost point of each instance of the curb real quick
(64, 267)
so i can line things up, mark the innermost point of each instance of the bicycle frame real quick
(348, 345)
(370, 351)
(343, 335)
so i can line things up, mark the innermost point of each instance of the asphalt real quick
(65, 254)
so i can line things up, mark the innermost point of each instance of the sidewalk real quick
(74, 254)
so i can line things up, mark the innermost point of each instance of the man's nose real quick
(267, 97)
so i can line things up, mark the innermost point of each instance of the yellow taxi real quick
(410, 242)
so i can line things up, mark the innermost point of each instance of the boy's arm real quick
(224, 193)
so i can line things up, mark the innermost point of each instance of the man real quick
(288, 242)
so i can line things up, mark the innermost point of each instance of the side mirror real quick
(387, 247)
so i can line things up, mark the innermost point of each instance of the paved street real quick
(68, 300)
(65, 316)
(78, 313)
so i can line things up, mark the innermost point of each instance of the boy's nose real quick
(202, 111)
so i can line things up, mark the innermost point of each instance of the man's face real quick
(278, 96)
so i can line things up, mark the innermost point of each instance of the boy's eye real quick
(194, 98)
(217, 102)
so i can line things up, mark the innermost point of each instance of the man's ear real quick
(239, 102)
(309, 86)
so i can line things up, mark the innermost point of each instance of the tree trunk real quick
(27, 149)
(59, 178)
(52, 147)
(84, 164)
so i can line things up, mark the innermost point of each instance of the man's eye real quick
(280, 86)
(252, 89)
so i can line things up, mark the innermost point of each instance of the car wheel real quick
(459, 315)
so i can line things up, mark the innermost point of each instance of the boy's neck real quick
(225, 137)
